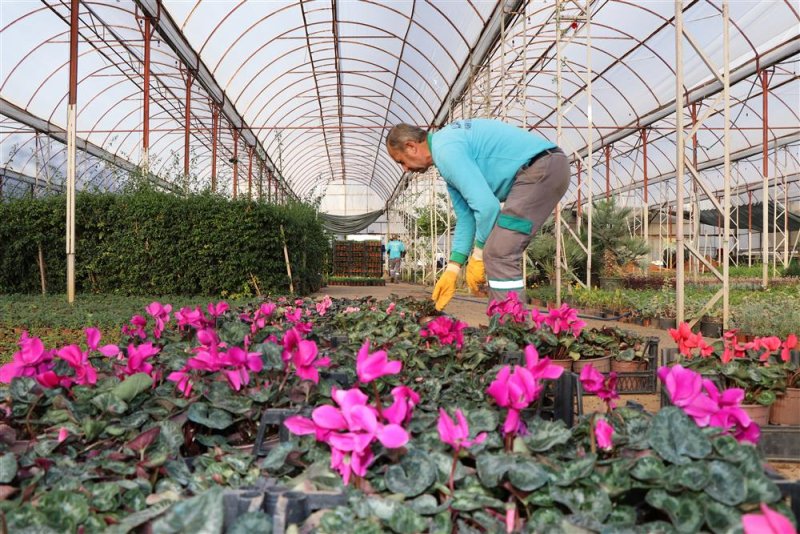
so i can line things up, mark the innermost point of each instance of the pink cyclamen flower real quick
(136, 328)
(323, 305)
(241, 364)
(352, 309)
(768, 344)
(789, 345)
(79, 361)
(454, 434)
(767, 522)
(62, 434)
(593, 381)
(349, 430)
(515, 391)
(603, 432)
(375, 365)
(701, 401)
(688, 341)
(137, 357)
(564, 319)
(291, 338)
(294, 316)
(159, 312)
(405, 399)
(448, 331)
(685, 389)
(215, 310)
(306, 362)
(541, 369)
(182, 381)
(510, 309)
(188, 317)
(31, 360)
(390, 308)
(93, 340)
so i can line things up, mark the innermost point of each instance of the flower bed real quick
(412, 419)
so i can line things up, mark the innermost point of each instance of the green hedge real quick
(147, 242)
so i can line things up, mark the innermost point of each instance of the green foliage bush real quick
(148, 242)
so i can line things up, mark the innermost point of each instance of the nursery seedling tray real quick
(780, 443)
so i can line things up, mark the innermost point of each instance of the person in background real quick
(485, 162)
(396, 250)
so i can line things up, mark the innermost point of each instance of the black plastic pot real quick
(272, 417)
(666, 324)
(711, 329)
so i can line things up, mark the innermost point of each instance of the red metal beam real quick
(235, 163)
(250, 173)
(214, 141)
(186, 126)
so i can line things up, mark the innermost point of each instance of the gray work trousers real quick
(394, 267)
(537, 189)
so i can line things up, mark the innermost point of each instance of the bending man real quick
(485, 162)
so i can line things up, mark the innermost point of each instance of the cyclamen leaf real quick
(8, 468)
(676, 438)
(144, 440)
(132, 386)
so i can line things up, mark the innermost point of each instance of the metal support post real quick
(71, 145)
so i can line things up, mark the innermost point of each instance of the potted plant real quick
(630, 358)
(786, 408)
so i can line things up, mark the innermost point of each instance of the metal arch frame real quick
(682, 163)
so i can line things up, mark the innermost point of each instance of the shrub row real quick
(147, 242)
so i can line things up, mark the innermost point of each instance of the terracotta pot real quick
(646, 321)
(758, 413)
(602, 365)
(741, 338)
(536, 303)
(633, 366)
(786, 410)
(565, 364)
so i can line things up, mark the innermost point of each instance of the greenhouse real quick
(401, 266)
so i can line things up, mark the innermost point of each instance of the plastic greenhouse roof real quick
(313, 86)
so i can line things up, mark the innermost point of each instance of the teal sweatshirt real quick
(395, 249)
(478, 159)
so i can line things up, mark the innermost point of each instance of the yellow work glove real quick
(476, 273)
(446, 286)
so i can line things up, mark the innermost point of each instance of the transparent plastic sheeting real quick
(315, 85)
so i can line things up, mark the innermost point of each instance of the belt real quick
(541, 154)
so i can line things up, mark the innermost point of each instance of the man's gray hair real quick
(402, 133)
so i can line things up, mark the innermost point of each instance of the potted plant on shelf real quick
(786, 408)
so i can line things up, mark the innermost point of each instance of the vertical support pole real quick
(679, 164)
(559, 118)
(589, 140)
(646, 207)
(260, 180)
(71, 145)
(580, 206)
(146, 100)
(186, 154)
(765, 178)
(726, 138)
(694, 263)
(235, 164)
(749, 228)
(608, 171)
(214, 143)
(250, 173)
